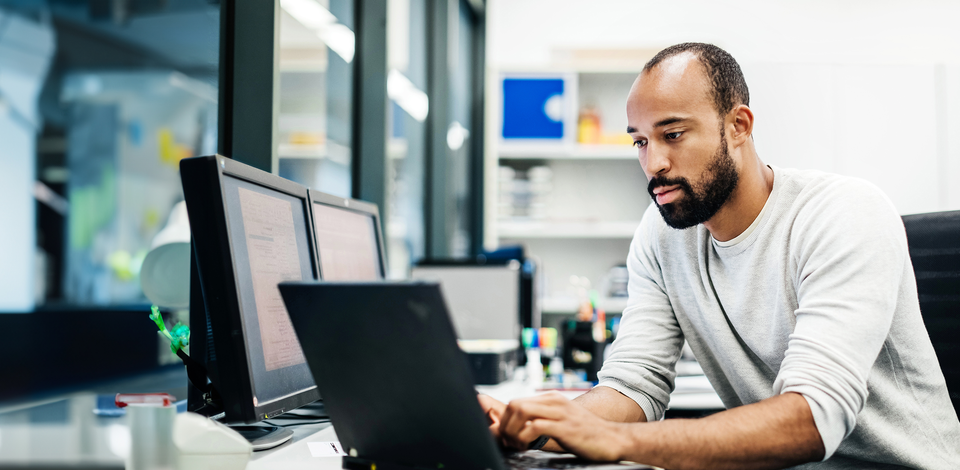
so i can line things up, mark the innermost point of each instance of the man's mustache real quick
(658, 181)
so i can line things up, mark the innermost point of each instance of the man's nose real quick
(657, 160)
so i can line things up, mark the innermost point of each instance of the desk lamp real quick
(165, 275)
(165, 280)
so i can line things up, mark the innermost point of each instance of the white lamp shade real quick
(165, 274)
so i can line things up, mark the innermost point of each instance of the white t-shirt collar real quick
(746, 233)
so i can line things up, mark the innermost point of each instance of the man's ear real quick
(742, 125)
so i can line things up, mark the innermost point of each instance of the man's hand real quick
(774, 433)
(570, 424)
(494, 410)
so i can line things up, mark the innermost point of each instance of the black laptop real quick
(397, 387)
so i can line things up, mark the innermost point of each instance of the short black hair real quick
(729, 87)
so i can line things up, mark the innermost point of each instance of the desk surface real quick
(63, 430)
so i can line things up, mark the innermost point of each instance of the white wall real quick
(524, 32)
(862, 88)
(25, 52)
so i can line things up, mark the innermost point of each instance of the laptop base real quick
(357, 463)
(516, 461)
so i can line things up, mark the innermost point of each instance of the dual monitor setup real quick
(251, 231)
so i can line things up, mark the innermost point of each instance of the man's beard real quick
(714, 189)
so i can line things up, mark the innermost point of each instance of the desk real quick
(62, 430)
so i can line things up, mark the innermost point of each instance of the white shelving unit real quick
(585, 222)
(301, 150)
(560, 229)
(328, 150)
(571, 305)
(567, 152)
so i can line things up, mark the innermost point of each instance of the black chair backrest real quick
(934, 241)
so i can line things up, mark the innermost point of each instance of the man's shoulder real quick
(805, 185)
(814, 202)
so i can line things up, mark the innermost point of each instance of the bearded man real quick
(794, 289)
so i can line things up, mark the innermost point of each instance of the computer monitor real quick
(349, 241)
(483, 299)
(251, 230)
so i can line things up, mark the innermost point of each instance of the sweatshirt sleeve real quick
(850, 248)
(641, 364)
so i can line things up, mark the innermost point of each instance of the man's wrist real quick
(624, 439)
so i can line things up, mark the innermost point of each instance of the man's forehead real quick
(677, 66)
(676, 86)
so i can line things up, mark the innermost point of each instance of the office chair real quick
(934, 242)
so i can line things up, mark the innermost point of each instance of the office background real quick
(401, 103)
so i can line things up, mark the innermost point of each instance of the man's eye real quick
(673, 135)
(639, 143)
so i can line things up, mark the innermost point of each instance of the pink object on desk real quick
(159, 399)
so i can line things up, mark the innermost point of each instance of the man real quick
(794, 289)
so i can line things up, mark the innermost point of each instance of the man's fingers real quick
(537, 409)
(511, 422)
(520, 413)
(536, 428)
(494, 418)
(495, 430)
(488, 404)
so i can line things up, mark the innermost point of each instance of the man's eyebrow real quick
(660, 123)
(668, 121)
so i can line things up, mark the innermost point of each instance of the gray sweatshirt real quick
(818, 297)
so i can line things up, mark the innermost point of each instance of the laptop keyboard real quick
(534, 460)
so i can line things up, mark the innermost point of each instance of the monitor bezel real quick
(232, 375)
(353, 205)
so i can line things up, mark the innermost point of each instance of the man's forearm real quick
(611, 405)
(774, 433)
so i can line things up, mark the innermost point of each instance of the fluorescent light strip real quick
(339, 38)
(403, 92)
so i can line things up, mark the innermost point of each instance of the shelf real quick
(549, 229)
(570, 305)
(518, 151)
(302, 150)
(329, 150)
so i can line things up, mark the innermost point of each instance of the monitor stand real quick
(315, 410)
(264, 437)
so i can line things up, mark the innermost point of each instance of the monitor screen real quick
(484, 301)
(268, 231)
(347, 244)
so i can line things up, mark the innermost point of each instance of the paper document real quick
(325, 449)
(274, 258)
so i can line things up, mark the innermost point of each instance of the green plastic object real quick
(529, 337)
(179, 337)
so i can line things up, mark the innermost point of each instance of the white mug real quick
(151, 437)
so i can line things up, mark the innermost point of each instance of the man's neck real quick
(745, 203)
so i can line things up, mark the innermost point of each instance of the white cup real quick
(151, 437)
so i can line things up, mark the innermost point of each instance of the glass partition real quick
(459, 138)
(407, 111)
(99, 101)
(314, 127)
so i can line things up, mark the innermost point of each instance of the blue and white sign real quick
(533, 108)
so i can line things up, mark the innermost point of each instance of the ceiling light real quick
(456, 135)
